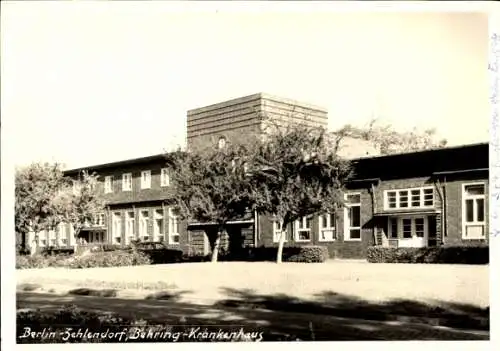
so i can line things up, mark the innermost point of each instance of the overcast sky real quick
(90, 83)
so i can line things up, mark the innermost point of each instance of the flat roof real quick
(162, 156)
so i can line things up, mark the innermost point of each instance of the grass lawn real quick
(205, 281)
(337, 300)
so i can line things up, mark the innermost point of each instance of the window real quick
(327, 227)
(393, 228)
(352, 217)
(158, 225)
(143, 225)
(130, 226)
(108, 184)
(409, 198)
(165, 178)
(173, 223)
(277, 231)
(303, 229)
(473, 211)
(61, 233)
(99, 220)
(221, 143)
(127, 182)
(407, 227)
(117, 227)
(145, 179)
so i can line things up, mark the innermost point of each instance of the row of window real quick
(473, 216)
(157, 222)
(327, 224)
(145, 181)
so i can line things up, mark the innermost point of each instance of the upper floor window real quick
(409, 198)
(473, 211)
(108, 184)
(145, 179)
(352, 217)
(165, 178)
(222, 143)
(127, 182)
(99, 220)
(327, 227)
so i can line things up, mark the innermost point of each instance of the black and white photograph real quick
(186, 172)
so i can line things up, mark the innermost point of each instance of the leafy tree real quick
(79, 201)
(211, 186)
(296, 172)
(390, 141)
(36, 186)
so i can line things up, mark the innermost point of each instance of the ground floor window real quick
(278, 231)
(117, 228)
(473, 211)
(173, 227)
(407, 227)
(352, 217)
(303, 228)
(327, 224)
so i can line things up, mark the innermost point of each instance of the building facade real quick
(419, 199)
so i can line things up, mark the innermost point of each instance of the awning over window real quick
(94, 229)
(406, 213)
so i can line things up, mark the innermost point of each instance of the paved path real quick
(324, 327)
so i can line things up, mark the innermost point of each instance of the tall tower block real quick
(240, 120)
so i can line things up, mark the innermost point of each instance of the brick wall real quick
(340, 248)
(454, 202)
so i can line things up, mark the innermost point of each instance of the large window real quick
(352, 217)
(173, 230)
(165, 178)
(327, 227)
(409, 198)
(303, 229)
(127, 182)
(117, 228)
(145, 179)
(473, 211)
(143, 225)
(130, 226)
(108, 184)
(158, 226)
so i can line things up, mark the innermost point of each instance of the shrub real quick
(40, 261)
(307, 254)
(57, 251)
(443, 254)
(110, 259)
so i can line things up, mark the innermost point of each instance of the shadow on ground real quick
(333, 317)
(437, 313)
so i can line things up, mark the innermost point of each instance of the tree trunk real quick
(279, 257)
(34, 244)
(75, 234)
(215, 250)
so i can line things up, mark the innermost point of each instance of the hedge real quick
(306, 254)
(444, 254)
(98, 259)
